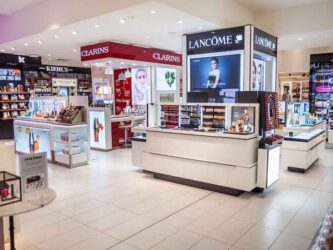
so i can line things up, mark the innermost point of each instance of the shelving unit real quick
(170, 116)
(213, 117)
(9, 103)
(190, 116)
(42, 87)
(71, 147)
(297, 85)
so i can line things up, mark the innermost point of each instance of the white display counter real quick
(65, 144)
(305, 128)
(301, 151)
(221, 162)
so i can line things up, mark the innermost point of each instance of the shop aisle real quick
(111, 205)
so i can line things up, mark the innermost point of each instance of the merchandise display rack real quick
(13, 104)
(213, 117)
(190, 116)
(169, 116)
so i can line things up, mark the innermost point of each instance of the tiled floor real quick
(111, 205)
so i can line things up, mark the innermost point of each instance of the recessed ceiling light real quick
(26, 44)
(13, 48)
(2, 50)
(39, 41)
(48, 55)
(200, 28)
(153, 12)
(146, 37)
(96, 26)
(180, 21)
(122, 20)
(55, 36)
(300, 39)
(74, 50)
(74, 32)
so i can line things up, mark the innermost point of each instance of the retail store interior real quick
(166, 124)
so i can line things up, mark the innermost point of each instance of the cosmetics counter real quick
(196, 145)
(304, 137)
(57, 126)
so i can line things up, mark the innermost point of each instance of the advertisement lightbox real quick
(166, 79)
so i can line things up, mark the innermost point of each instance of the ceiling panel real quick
(8, 7)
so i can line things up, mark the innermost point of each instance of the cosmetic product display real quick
(169, 116)
(43, 87)
(12, 101)
(190, 117)
(75, 149)
(10, 188)
(71, 114)
(213, 117)
(74, 136)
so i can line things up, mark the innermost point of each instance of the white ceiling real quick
(9, 7)
(160, 30)
(269, 5)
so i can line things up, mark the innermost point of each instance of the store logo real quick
(57, 69)
(21, 59)
(96, 51)
(166, 58)
(214, 41)
(264, 42)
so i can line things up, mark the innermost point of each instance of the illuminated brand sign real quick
(167, 58)
(215, 41)
(21, 59)
(57, 69)
(95, 51)
(264, 42)
(113, 50)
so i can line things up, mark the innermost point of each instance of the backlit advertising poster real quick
(258, 75)
(166, 79)
(141, 82)
(97, 129)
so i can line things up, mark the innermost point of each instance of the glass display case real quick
(46, 106)
(239, 119)
(298, 114)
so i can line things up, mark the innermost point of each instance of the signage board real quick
(129, 52)
(264, 42)
(215, 41)
(64, 82)
(19, 59)
(33, 172)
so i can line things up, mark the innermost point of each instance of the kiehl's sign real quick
(216, 41)
(264, 42)
(129, 52)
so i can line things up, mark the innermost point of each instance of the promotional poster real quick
(215, 71)
(258, 75)
(35, 140)
(122, 89)
(97, 130)
(166, 79)
(141, 86)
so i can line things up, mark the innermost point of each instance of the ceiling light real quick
(122, 63)
(180, 21)
(74, 32)
(39, 41)
(153, 12)
(2, 50)
(96, 26)
(200, 28)
(48, 55)
(49, 58)
(146, 37)
(122, 20)
(300, 39)
(74, 50)
(26, 44)
(13, 48)
(55, 36)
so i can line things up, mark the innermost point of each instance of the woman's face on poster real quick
(141, 81)
(213, 64)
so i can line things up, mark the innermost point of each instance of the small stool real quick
(126, 128)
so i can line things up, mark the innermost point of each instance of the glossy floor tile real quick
(111, 204)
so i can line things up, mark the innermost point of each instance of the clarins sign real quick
(264, 42)
(216, 41)
(109, 50)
